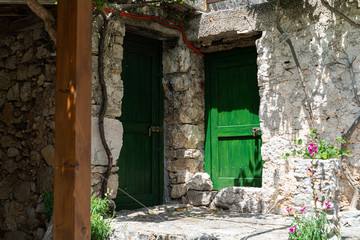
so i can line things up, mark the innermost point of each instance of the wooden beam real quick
(72, 186)
(43, 2)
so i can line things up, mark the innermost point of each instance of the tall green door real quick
(232, 151)
(140, 162)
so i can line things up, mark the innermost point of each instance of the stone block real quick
(200, 181)
(178, 190)
(48, 154)
(11, 63)
(117, 51)
(200, 198)
(191, 165)
(45, 179)
(42, 52)
(113, 184)
(22, 193)
(9, 165)
(243, 199)
(13, 152)
(25, 93)
(176, 60)
(187, 136)
(113, 133)
(14, 93)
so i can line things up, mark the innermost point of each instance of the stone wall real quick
(113, 53)
(325, 175)
(320, 39)
(27, 105)
(184, 116)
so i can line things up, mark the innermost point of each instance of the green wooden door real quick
(232, 152)
(140, 162)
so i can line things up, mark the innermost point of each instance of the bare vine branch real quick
(339, 14)
(298, 67)
(103, 107)
(46, 16)
(350, 131)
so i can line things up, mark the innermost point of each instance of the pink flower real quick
(313, 149)
(316, 199)
(302, 210)
(328, 205)
(292, 229)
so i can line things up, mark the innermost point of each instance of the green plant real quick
(48, 204)
(317, 148)
(316, 227)
(100, 218)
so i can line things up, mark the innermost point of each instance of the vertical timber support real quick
(72, 174)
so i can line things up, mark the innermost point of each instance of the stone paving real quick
(184, 222)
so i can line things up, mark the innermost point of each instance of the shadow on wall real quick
(319, 42)
(323, 44)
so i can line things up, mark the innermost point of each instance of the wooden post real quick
(72, 188)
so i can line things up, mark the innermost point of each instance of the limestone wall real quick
(184, 83)
(320, 39)
(27, 105)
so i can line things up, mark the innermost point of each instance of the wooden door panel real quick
(139, 162)
(232, 152)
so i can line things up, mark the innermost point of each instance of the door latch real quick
(255, 131)
(154, 129)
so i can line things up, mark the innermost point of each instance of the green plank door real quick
(232, 104)
(140, 157)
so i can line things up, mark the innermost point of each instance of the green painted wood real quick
(140, 161)
(232, 153)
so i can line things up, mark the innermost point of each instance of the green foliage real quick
(100, 219)
(317, 148)
(316, 227)
(48, 204)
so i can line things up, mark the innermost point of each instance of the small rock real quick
(9, 165)
(12, 152)
(40, 232)
(13, 93)
(42, 52)
(48, 154)
(40, 208)
(201, 182)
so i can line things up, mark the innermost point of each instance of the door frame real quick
(136, 38)
(208, 160)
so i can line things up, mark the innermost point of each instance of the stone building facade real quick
(27, 73)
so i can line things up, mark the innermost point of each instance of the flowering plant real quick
(317, 148)
(317, 226)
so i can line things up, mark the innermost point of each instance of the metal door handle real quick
(154, 129)
(255, 131)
